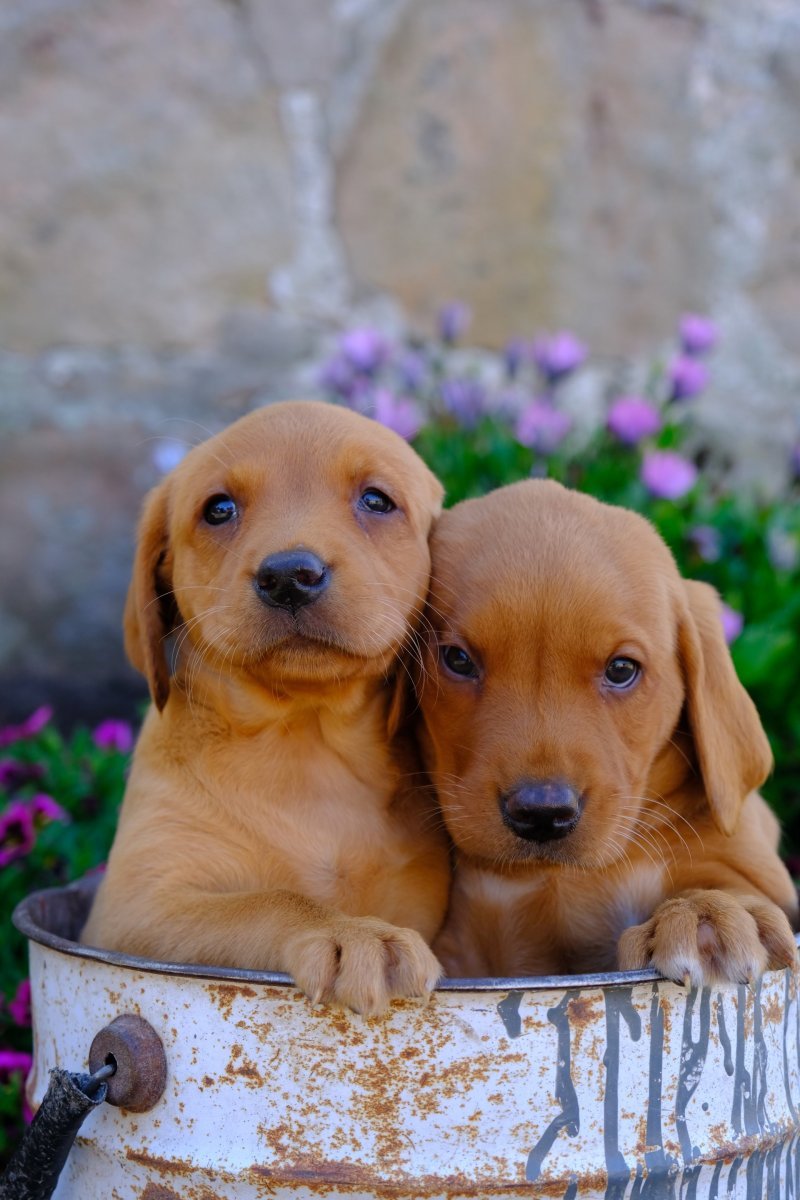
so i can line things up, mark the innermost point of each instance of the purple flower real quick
(17, 832)
(630, 419)
(706, 541)
(783, 549)
(44, 809)
(732, 623)
(687, 377)
(667, 475)
(516, 353)
(542, 427)
(13, 1061)
(167, 454)
(558, 354)
(29, 727)
(114, 735)
(464, 399)
(20, 1006)
(794, 462)
(365, 349)
(403, 416)
(337, 376)
(412, 370)
(698, 334)
(452, 320)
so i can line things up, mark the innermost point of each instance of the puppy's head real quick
(573, 679)
(292, 546)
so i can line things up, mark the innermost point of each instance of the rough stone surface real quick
(196, 193)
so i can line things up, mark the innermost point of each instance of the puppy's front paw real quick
(362, 963)
(705, 937)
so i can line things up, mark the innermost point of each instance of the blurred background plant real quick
(481, 419)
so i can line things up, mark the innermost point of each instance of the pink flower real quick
(43, 810)
(114, 735)
(12, 1061)
(630, 419)
(13, 774)
(698, 333)
(667, 475)
(542, 427)
(687, 377)
(17, 832)
(20, 1006)
(732, 623)
(29, 728)
(403, 416)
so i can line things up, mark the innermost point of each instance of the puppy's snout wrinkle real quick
(540, 810)
(291, 579)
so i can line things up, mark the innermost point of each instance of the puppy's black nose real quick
(291, 579)
(540, 810)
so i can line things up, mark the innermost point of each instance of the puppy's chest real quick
(311, 821)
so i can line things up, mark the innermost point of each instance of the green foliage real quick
(86, 782)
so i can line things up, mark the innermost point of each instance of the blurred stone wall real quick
(195, 193)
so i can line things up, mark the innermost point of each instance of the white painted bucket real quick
(615, 1086)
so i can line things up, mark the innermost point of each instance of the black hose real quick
(32, 1173)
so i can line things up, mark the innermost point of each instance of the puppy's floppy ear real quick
(149, 609)
(732, 749)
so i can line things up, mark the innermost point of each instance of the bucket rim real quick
(25, 921)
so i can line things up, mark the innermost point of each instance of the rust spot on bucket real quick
(157, 1191)
(224, 995)
(161, 1166)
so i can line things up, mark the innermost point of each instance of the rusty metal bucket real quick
(619, 1086)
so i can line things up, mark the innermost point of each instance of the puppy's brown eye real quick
(219, 509)
(376, 502)
(459, 662)
(622, 672)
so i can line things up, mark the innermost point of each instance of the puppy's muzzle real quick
(291, 579)
(540, 810)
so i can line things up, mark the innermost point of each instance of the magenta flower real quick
(453, 319)
(687, 377)
(114, 735)
(13, 774)
(630, 419)
(13, 1061)
(698, 334)
(558, 354)
(403, 416)
(29, 727)
(732, 623)
(365, 349)
(20, 1006)
(464, 399)
(17, 832)
(542, 427)
(44, 809)
(706, 541)
(667, 475)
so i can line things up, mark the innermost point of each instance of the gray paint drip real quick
(756, 1103)
(662, 1168)
(693, 1058)
(508, 1009)
(619, 1004)
(725, 1041)
(741, 1079)
(569, 1118)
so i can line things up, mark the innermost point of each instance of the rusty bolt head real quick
(141, 1065)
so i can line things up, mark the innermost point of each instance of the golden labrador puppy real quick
(594, 754)
(267, 822)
